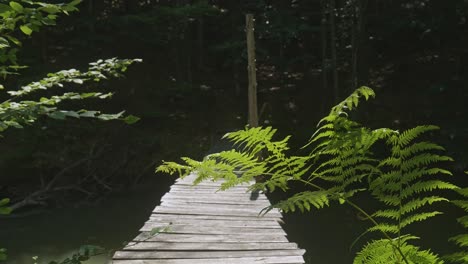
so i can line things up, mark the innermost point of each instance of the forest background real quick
(191, 87)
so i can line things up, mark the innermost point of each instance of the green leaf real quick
(17, 6)
(131, 119)
(5, 210)
(57, 115)
(4, 8)
(75, 2)
(14, 40)
(4, 43)
(51, 9)
(26, 30)
(107, 117)
(4, 201)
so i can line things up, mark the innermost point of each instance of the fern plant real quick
(340, 162)
(462, 239)
(404, 186)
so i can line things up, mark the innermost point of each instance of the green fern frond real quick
(422, 160)
(419, 147)
(426, 186)
(304, 201)
(415, 204)
(462, 239)
(384, 228)
(409, 135)
(459, 257)
(419, 217)
(172, 168)
(384, 251)
(352, 101)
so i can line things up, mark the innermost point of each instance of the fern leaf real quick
(304, 201)
(419, 217)
(385, 228)
(384, 251)
(426, 186)
(415, 204)
(409, 135)
(419, 147)
(423, 160)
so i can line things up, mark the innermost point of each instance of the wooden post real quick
(252, 92)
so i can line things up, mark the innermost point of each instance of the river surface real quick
(57, 234)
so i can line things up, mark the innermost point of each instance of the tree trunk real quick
(324, 45)
(252, 92)
(355, 36)
(334, 63)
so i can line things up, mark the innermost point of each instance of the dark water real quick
(56, 234)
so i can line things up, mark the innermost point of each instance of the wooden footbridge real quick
(197, 225)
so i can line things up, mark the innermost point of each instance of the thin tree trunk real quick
(324, 45)
(355, 42)
(252, 92)
(336, 92)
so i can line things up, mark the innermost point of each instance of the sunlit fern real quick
(383, 251)
(462, 239)
(404, 186)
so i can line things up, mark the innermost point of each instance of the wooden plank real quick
(216, 201)
(220, 230)
(206, 254)
(171, 217)
(252, 206)
(246, 260)
(204, 246)
(197, 238)
(213, 211)
(216, 223)
(219, 207)
(216, 186)
(214, 196)
(204, 190)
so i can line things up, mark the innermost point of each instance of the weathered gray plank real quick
(208, 191)
(215, 196)
(217, 201)
(213, 211)
(252, 206)
(206, 254)
(193, 229)
(247, 260)
(201, 186)
(156, 216)
(236, 238)
(204, 246)
(215, 223)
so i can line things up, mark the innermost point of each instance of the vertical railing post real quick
(252, 75)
